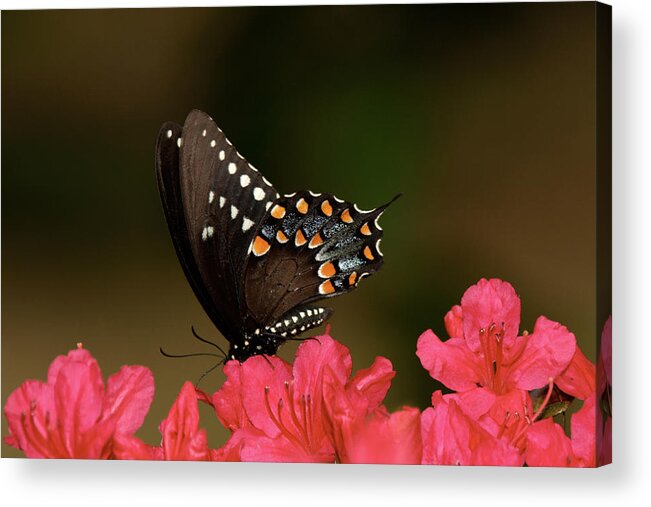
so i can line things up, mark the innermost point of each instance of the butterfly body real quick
(257, 261)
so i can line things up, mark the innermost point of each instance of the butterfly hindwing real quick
(308, 247)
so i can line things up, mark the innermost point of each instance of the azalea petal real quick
(129, 394)
(606, 351)
(78, 397)
(490, 302)
(454, 322)
(605, 442)
(228, 400)
(450, 362)
(232, 450)
(547, 445)
(78, 355)
(508, 411)
(582, 430)
(578, 379)
(451, 438)
(182, 438)
(374, 382)
(384, 438)
(32, 400)
(314, 356)
(547, 353)
(474, 403)
(263, 386)
(128, 447)
(281, 450)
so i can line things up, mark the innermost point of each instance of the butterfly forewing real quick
(168, 176)
(223, 199)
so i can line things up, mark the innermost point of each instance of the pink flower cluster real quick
(504, 387)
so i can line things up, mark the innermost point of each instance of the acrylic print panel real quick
(483, 336)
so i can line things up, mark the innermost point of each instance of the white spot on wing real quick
(258, 194)
(232, 168)
(222, 201)
(314, 194)
(246, 224)
(337, 199)
(234, 212)
(377, 224)
(253, 168)
(222, 155)
(245, 180)
(213, 143)
(290, 195)
(267, 181)
(362, 210)
(207, 232)
(268, 205)
(204, 133)
(211, 197)
(169, 134)
(179, 141)
(377, 247)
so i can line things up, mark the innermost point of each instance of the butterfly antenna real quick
(269, 361)
(208, 371)
(197, 354)
(207, 341)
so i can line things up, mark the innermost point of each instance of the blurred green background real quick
(483, 115)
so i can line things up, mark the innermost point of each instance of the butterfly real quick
(258, 262)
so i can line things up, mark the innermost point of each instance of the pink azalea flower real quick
(578, 379)
(72, 415)
(493, 367)
(276, 411)
(605, 391)
(182, 439)
(451, 437)
(484, 348)
(362, 433)
(549, 446)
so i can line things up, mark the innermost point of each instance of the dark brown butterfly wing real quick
(309, 247)
(214, 200)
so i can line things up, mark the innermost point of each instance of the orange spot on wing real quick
(368, 254)
(345, 216)
(281, 237)
(327, 270)
(352, 278)
(260, 246)
(326, 287)
(302, 206)
(316, 240)
(299, 240)
(278, 212)
(326, 208)
(365, 229)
